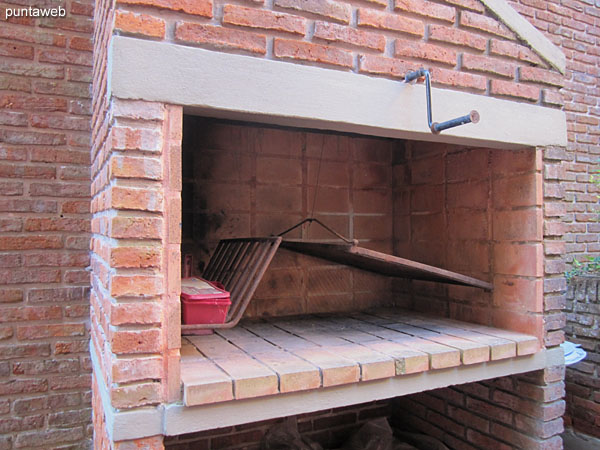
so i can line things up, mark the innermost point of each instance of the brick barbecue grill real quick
(315, 323)
(243, 120)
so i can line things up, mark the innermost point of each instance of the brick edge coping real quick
(175, 418)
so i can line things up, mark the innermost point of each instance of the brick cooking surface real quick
(281, 356)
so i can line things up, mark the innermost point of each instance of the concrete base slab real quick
(573, 440)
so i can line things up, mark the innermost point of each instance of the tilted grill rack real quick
(238, 264)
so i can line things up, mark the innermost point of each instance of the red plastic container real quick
(203, 302)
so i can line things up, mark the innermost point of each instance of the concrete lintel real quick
(241, 87)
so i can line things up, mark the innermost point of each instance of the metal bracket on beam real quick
(472, 117)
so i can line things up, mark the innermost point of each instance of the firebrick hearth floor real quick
(296, 354)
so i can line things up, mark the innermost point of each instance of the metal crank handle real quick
(472, 117)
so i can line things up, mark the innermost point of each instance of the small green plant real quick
(592, 264)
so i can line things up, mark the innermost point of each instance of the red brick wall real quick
(45, 108)
(573, 25)
(465, 47)
(478, 212)
(518, 412)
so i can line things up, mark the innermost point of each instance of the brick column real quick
(135, 260)
(555, 208)
(578, 220)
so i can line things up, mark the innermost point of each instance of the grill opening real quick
(474, 211)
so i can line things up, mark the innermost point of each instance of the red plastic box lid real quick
(199, 289)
